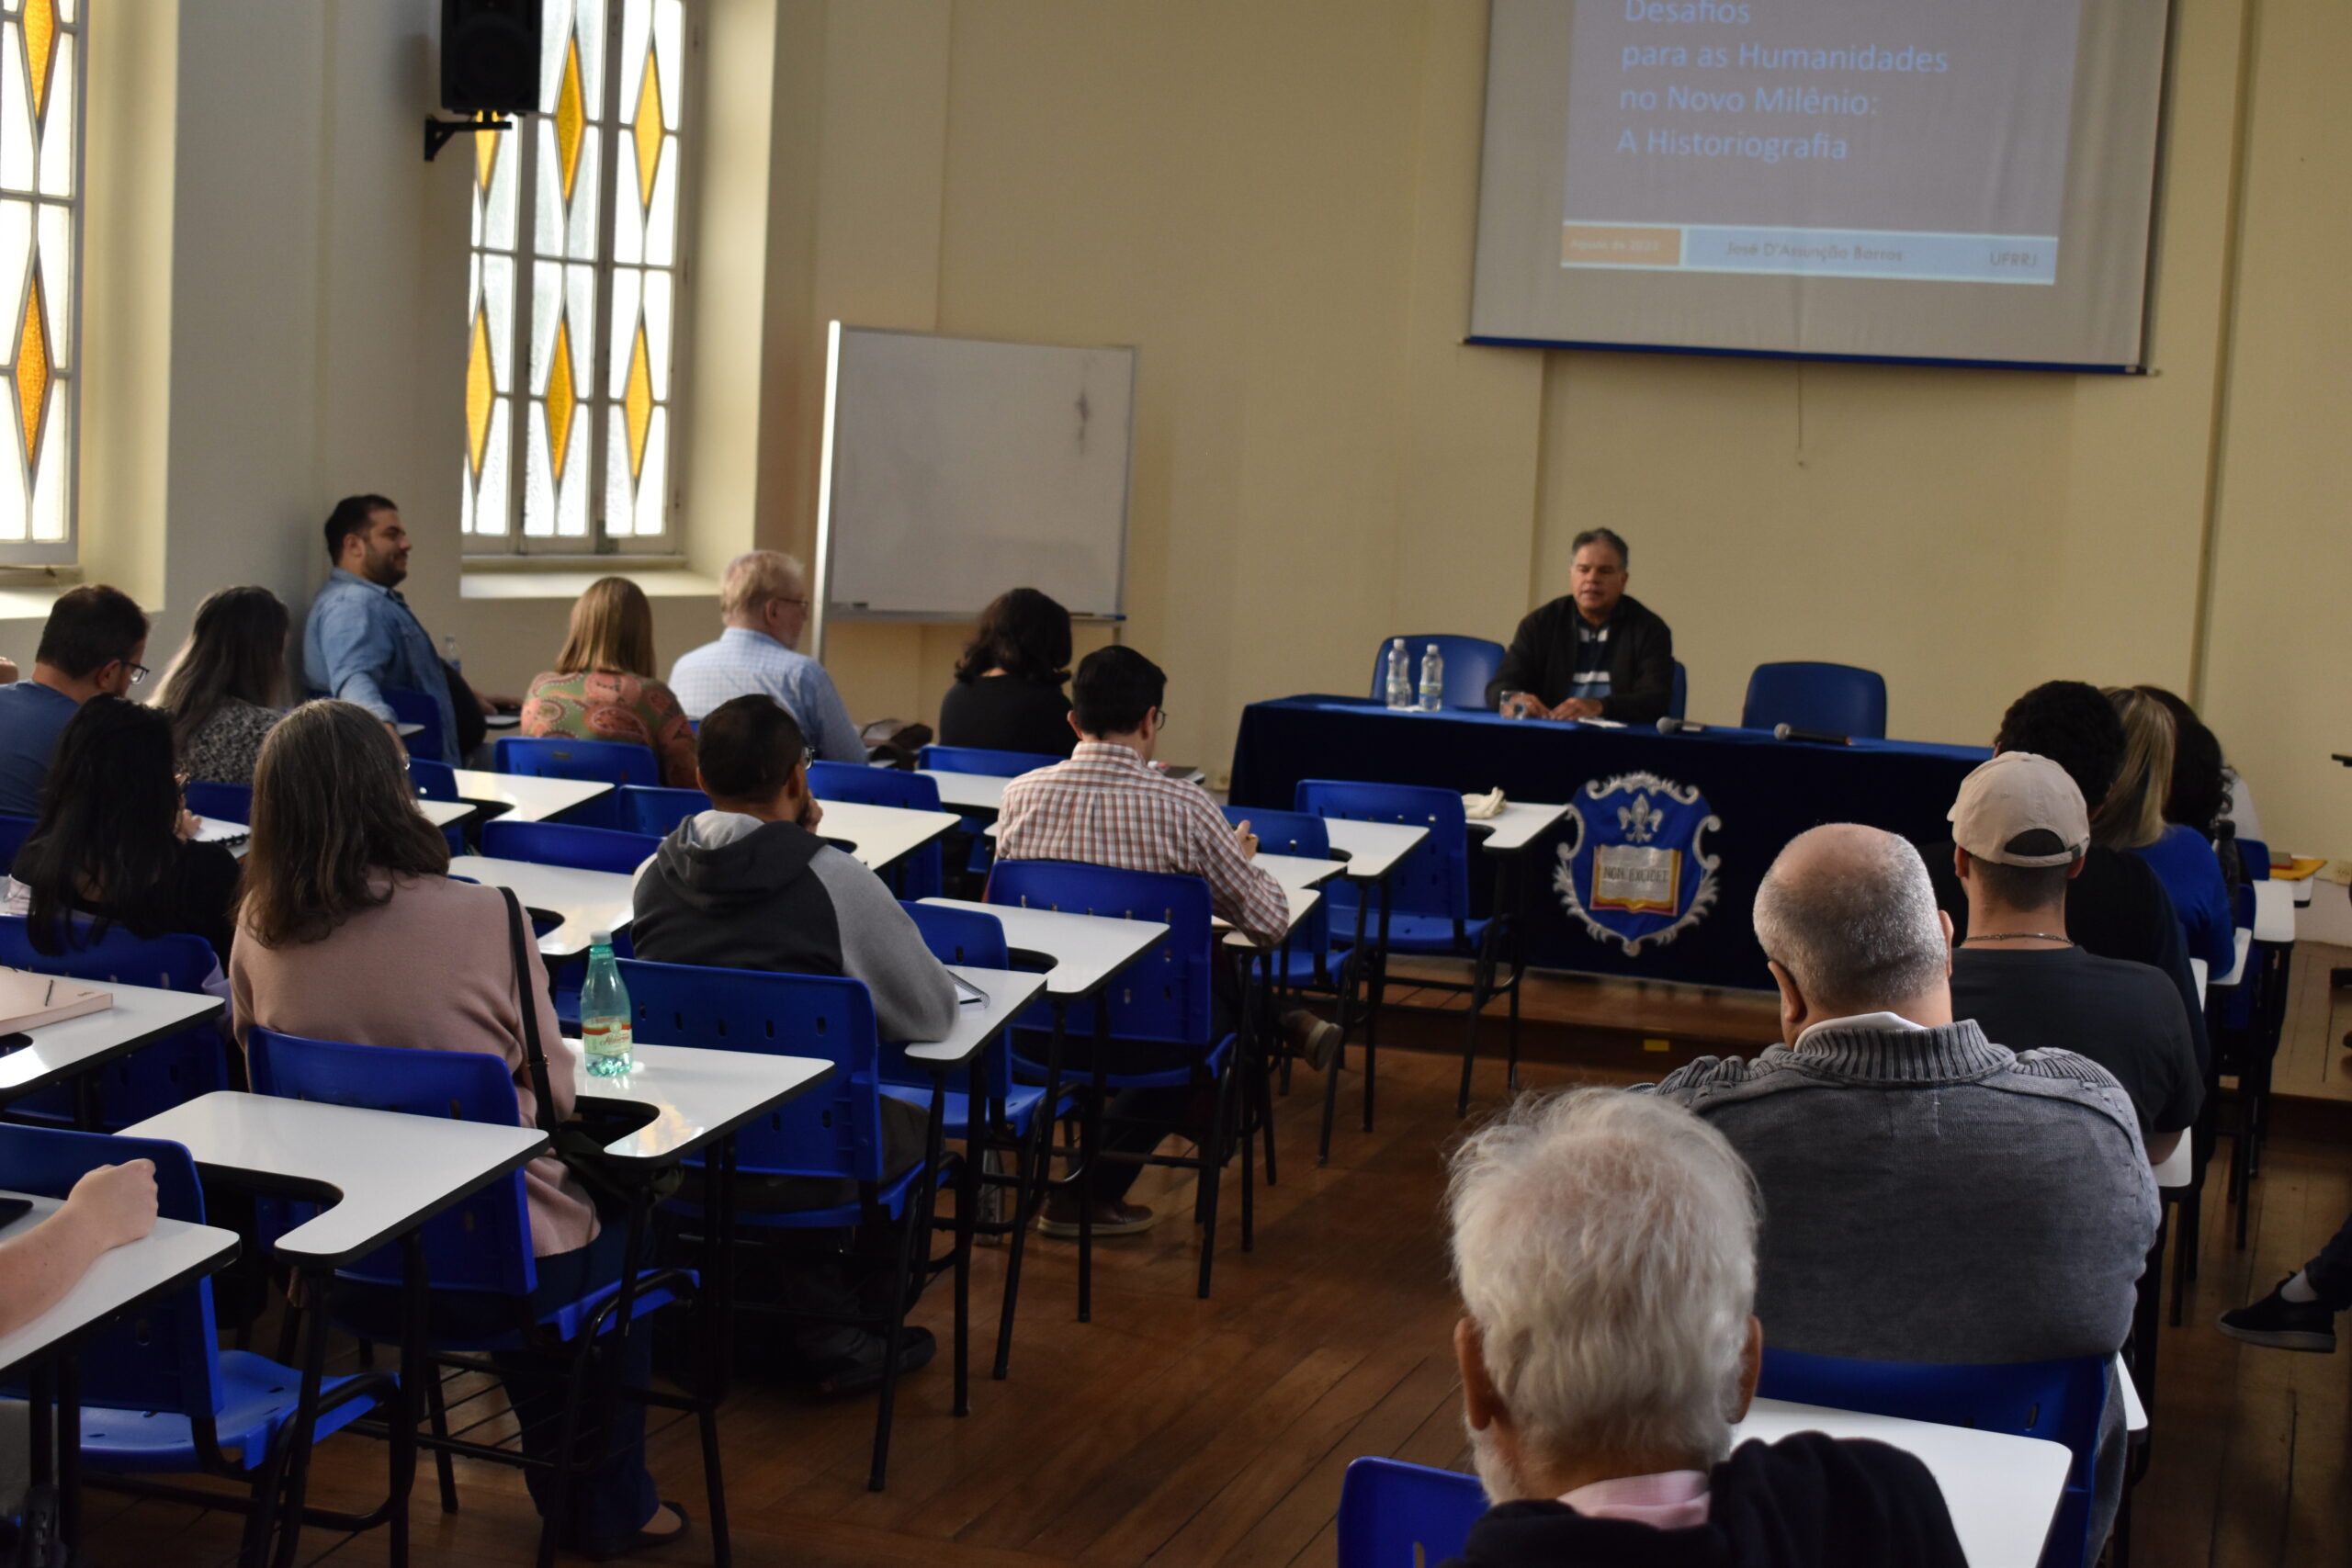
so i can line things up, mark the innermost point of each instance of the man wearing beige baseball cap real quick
(2020, 829)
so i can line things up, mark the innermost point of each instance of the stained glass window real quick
(40, 233)
(572, 307)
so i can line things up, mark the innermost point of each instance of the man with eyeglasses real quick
(92, 643)
(764, 599)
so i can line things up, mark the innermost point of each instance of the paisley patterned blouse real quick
(595, 705)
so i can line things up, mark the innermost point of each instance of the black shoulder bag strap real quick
(534, 1051)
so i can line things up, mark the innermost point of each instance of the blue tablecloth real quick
(1648, 806)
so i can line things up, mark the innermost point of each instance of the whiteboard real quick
(955, 468)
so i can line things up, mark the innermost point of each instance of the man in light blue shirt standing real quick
(362, 638)
(765, 601)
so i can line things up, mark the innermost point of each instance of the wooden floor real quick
(1187, 1434)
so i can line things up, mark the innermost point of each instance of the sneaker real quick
(859, 1370)
(2283, 1325)
(1110, 1219)
(1314, 1040)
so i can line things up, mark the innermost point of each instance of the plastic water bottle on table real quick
(1399, 675)
(1432, 679)
(606, 1029)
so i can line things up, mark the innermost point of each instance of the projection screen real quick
(1947, 180)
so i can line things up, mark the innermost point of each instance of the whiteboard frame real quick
(821, 612)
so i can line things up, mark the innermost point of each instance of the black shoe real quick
(2283, 1325)
(860, 1371)
(644, 1541)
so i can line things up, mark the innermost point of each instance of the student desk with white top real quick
(979, 793)
(1084, 953)
(174, 1255)
(2002, 1489)
(378, 1177)
(74, 1047)
(585, 902)
(1373, 852)
(879, 837)
(527, 798)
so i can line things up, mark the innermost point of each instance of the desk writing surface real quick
(696, 1095)
(393, 1171)
(1086, 951)
(2274, 910)
(1299, 871)
(968, 792)
(173, 1253)
(1008, 991)
(1373, 849)
(877, 836)
(585, 901)
(2003, 1491)
(1515, 827)
(140, 1014)
(527, 799)
(1302, 904)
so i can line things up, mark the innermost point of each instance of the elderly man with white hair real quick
(763, 600)
(1605, 1248)
(1933, 1196)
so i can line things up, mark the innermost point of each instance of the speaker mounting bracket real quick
(439, 133)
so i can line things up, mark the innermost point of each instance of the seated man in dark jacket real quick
(1605, 1248)
(748, 885)
(1591, 653)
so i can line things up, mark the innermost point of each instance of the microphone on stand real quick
(1791, 732)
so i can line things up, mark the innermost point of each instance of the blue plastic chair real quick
(438, 780)
(1428, 909)
(567, 843)
(919, 875)
(157, 1395)
(1470, 664)
(2059, 1401)
(14, 831)
(1394, 1515)
(480, 1247)
(411, 706)
(1834, 699)
(833, 1132)
(155, 1078)
(1678, 705)
(559, 756)
(224, 802)
(1163, 998)
(983, 760)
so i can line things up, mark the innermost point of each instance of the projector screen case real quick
(1829, 138)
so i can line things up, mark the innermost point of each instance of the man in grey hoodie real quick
(749, 885)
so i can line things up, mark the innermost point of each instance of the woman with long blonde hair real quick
(602, 687)
(2181, 856)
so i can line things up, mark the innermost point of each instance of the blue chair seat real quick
(1425, 933)
(1020, 1105)
(890, 1198)
(257, 1398)
(1171, 1077)
(569, 1319)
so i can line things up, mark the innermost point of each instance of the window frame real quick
(66, 552)
(615, 164)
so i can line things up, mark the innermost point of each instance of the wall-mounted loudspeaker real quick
(490, 56)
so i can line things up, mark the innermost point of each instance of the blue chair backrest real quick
(1470, 663)
(2256, 855)
(956, 936)
(1294, 833)
(1836, 699)
(484, 1243)
(434, 780)
(1163, 995)
(224, 802)
(411, 706)
(835, 1129)
(1435, 878)
(641, 809)
(2059, 1401)
(1678, 705)
(153, 1078)
(563, 843)
(862, 785)
(981, 760)
(14, 831)
(559, 756)
(162, 1357)
(1394, 1515)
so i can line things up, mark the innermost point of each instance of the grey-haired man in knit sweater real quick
(1928, 1195)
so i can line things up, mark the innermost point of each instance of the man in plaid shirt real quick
(1109, 805)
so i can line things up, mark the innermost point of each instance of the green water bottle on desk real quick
(605, 1031)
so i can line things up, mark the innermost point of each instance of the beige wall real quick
(1274, 202)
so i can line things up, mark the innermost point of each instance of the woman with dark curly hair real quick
(1008, 691)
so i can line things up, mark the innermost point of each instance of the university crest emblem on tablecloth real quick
(1636, 871)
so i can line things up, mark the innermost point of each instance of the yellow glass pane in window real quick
(479, 391)
(570, 117)
(562, 396)
(648, 131)
(40, 44)
(31, 374)
(485, 156)
(636, 403)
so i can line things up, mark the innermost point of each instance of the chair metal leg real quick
(909, 1222)
(1212, 1176)
(1036, 1176)
(437, 1411)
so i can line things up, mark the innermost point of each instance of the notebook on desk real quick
(967, 994)
(213, 831)
(28, 1000)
